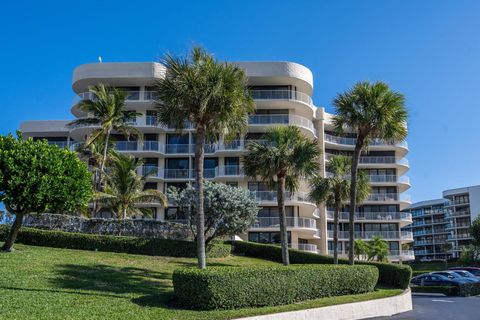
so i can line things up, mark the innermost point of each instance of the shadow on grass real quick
(154, 287)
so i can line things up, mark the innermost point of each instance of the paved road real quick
(441, 308)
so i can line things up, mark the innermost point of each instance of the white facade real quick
(282, 93)
(462, 208)
(429, 229)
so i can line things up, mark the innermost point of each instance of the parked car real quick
(473, 270)
(466, 274)
(453, 275)
(436, 280)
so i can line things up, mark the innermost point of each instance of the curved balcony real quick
(281, 119)
(305, 247)
(271, 196)
(388, 197)
(350, 142)
(290, 95)
(368, 235)
(292, 222)
(373, 216)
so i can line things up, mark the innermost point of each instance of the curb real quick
(384, 307)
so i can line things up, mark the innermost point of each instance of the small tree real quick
(36, 177)
(228, 210)
(360, 249)
(475, 231)
(377, 248)
(124, 190)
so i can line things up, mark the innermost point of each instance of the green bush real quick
(395, 275)
(238, 287)
(134, 245)
(446, 290)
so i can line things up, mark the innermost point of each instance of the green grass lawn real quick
(49, 283)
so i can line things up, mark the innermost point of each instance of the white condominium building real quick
(283, 96)
(430, 230)
(462, 208)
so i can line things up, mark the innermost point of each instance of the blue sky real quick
(429, 50)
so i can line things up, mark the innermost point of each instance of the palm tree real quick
(106, 109)
(283, 160)
(92, 155)
(377, 247)
(214, 98)
(124, 189)
(334, 190)
(371, 111)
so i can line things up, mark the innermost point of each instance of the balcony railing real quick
(281, 95)
(305, 247)
(377, 160)
(126, 145)
(131, 96)
(265, 119)
(368, 235)
(60, 144)
(380, 216)
(229, 170)
(292, 222)
(352, 141)
(271, 196)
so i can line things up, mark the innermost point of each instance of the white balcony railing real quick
(292, 222)
(229, 171)
(352, 141)
(305, 247)
(281, 95)
(266, 119)
(368, 235)
(379, 216)
(271, 196)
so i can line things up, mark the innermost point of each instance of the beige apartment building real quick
(283, 96)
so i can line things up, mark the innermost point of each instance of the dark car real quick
(473, 270)
(436, 280)
(466, 274)
(452, 275)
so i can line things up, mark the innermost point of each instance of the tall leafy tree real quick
(283, 160)
(36, 177)
(334, 190)
(106, 109)
(214, 97)
(371, 111)
(124, 188)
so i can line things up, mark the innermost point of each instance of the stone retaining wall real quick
(129, 227)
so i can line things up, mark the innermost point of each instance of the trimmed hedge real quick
(390, 274)
(133, 245)
(446, 290)
(238, 287)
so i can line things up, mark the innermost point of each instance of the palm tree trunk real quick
(338, 204)
(283, 220)
(200, 217)
(12, 236)
(105, 150)
(353, 197)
